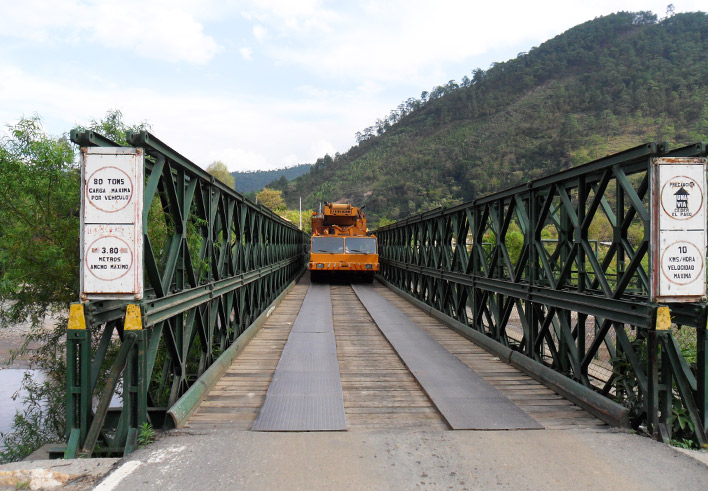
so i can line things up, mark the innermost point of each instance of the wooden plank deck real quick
(540, 402)
(378, 390)
(236, 399)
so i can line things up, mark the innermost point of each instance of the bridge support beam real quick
(183, 409)
(522, 270)
(599, 406)
(213, 261)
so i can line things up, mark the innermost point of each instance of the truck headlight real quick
(320, 266)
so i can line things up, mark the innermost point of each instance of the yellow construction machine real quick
(341, 245)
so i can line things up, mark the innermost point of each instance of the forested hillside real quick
(250, 181)
(603, 86)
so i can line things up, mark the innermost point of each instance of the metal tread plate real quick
(305, 393)
(466, 400)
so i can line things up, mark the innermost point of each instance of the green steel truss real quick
(524, 267)
(213, 262)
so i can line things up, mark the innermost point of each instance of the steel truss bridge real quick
(520, 273)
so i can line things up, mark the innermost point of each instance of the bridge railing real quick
(213, 262)
(556, 273)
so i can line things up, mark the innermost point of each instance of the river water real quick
(10, 383)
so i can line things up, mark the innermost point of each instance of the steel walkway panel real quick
(464, 398)
(316, 312)
(305, 393)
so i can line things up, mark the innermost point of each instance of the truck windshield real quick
(332, 245)
(360, 245)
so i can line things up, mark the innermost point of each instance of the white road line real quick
(117, 476)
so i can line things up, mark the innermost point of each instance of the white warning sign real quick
(679, 230)
(111, 259)
(682, 262)
(681, 201)
(109, 189)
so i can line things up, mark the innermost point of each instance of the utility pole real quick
(300, 212)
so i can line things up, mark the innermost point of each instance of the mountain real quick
(600, 87)
(250, 181)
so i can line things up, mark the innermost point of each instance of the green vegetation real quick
(383, 221)
(39, 263)
(146, 435)
(601, 87)
(39, 224)
(250, 181)
(219, 170)
(273, 199)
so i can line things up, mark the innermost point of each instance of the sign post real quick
(678, 229)
(112, 223)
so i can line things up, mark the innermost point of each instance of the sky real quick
(260, 84)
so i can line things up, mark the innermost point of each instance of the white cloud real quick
(412, 40)
(338, 65)
(369, 88)
(287, 9)
(159, 32)
(290, 160)
(156, 30)
(246, 53)
(260, 32)
(239, 159)
(322, 147)
(244, 133)
(288, 17)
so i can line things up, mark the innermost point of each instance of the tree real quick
(113, 127)
(383, 221)
(39, 241)
(450, 86)
(39, 263)
(569, 132)
(221, 172)
(39, 219)
(272, 199)
(293, 216)
(670, 10)
(477, 75)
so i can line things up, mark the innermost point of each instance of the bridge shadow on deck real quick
(378, 390)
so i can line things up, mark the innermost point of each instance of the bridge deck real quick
(305, 393)
(378, 389)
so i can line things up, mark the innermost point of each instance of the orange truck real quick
(340, 244)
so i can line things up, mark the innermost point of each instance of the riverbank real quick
(13, 337)
(77, 474)
(12, 341)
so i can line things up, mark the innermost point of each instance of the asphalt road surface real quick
(396, 459)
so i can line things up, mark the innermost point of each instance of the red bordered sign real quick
(678, 223)
(111, 223)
